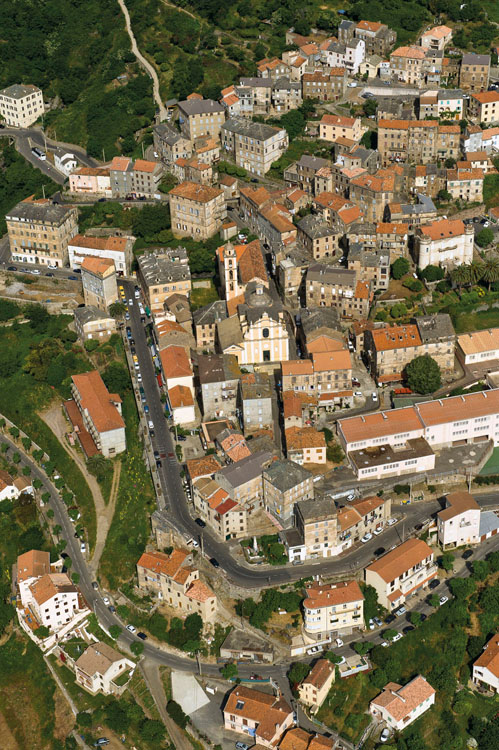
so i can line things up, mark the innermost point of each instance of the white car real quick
(313, 650)
(156, 155)
(443, 600)
(106, 600)
(341, 660)
(359, 394)
(130, 302)
(374, 396)
(378, 530)
(241, 236)
(371, 624)
(52, 266)
(339, 642)
(397, 637)
(391, 522)
(127, 316)
(385, 644)
(139, 378)
(83, 547)
(35, 271)
(486, 223)
(366, 538)
(385, 735)
(137, 294)
(352, 85)
(131, 628)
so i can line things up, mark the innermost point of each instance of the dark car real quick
(101, 200)
(95, 585)
(112, 609)
(158, 464)
(419, 527)
(214, 562)
(142, 635)
(380, 551)
(181, 438)
(389, 619)
(12, 268)
(200, 522)
(254, 179)
(49, 274)
(467, 554)
(407, 629)
(156, 454)
(73, 278)
(131, 342)
(433, 584)
(423, 616)
(77, 270)
(133, 350)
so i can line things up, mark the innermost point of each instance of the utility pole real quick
(201, 539)
(43, 191)
(143, 150)
(103, 155)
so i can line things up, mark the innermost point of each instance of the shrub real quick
(91, 345)
(400, 268)
(178, 716)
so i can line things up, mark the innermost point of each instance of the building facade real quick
(401, 573)
(40, 232)
(197, 211)
(21, 105)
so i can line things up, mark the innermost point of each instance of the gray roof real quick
(331, 275)
(313, 162)
(488, 522)
(345, 25)
(244, 471)
(19, 90)
(362, 228)
(315, 227)
(229, 332)
(257, 130)
(424, 205)
(217, 368)
(472, 59)
(200, 107)
(210, 314)
(321, 507)
(285, 83)
(435, 327)
(256, 387)
(241, 640)
(367, 258)
(285, 474)
(319, 317)
(164, 265)
(168, 134)
(44, 213)
(261, 83)
(450, 94)
(89, 314)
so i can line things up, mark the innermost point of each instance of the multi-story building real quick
(100, 413)
(205, 321)
(332, 127)
(243, 480)
(332, 609)
(447, 104)
(447, 243)
(170, 145)
(484, 107)
(465, 184)
(302, 173)
(417, 141)
(486, 667)
(40, 232)
(193, 170)
(98, 277)
(406, 64)
(238, 265)
(255, 402)
(175, 580)
(374, 192)
(305, 445)
(401, 706)
(478, 346)
(253, 145)
(200, 117)
(163, 273)
(349, 55)
(263, 717)
(135, 179)
(93, 324)
(313, 690)
(102, 669)
(329, 286)
(116, 248)
(273, 68)
(401, 573)
(222, 514)
(177, 368)
(267, 217)
(95, 181)
(436, 38)
(219, 375)
(372, 267)
(328, 86)
(53, 599)
(459, 522)
(196, 211)
(378, 37)
(324, 372)
(291, 274)
(474, 72)
(284, 484)
(319, 239)
(286, 95)
(21, 105)
(412, 214)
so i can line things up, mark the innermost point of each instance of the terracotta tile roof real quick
(180, 396)
(350, 214)
(479, 341)
(228, 90)
(321, 674)
(183, 574)
(477, 156)
(92, 171)
(297, 367)
(5, 479)
(49, 585)
(457, 503)
(489, 658)
(369, 25)
(296, 195)
(120, 163)
(232, 304)
(159, 563)
(270, 712)
(362, 290)
(99, 243)
(235, 446)
(320, 742)
(399, 560)
(340, 120)
(298, 62)
(443, 229)
(324, 344)
(228, 505)
(294, 402)
(279, 217)
(98, 402)
(231, 99)
(200, 467)
(367, 504)
(490, 133)
(438, 32)
(168, 326)
(195, 192)
(348, 517)
(486, 97)
(309, 49)
(199, 591)
(295, 739)
(396, 337)
(194, 95)
(304, 437)
(414, 53)
(97, 265)
(332, 361)
(142, 165)
(175, 362)
(449, 129)
(399, 701)
(251, 263)
(332, 594)
(391, 228)
(367, 426)
(256, 195)
(32, 564)
(459, 407)
(394, 124)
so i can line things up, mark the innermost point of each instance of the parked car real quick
(400, 611)
(443, 600)
(378, 530)
(433, 584)
(467, 554)
(380, 551)
(378, 621)
(385, 735)
(106, 600)
(358, 394)
(242, 746)
(142, 635)
(371, 624)
(391, 521)
(366, 538)
(131, 628)
(83, 547)
(339, 642)
(398, 637)
(200, 522)
(214, 562)
(374, 396)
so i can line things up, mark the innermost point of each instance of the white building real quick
(459, 522)
(115, 248)
(401, 573)
(332, 609)
(349, 55)
(100, 667)
(181, 403)
(486, 667)
(65, 162)
(400, 706)
(478, 346)
(447, 243)
(20, 105)
(100, 413)
(10, 488)
(53, 599)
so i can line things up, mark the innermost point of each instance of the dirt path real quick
(152, 679)
(145, 63)
(54, 418)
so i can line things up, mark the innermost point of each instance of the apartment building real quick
(374, 192)
(284, 484)
(465, 184)
(314, 689)
(305, 445)
(205, 321)
(146, 177)
(193, 170)
(117, 249)
(486, 667)
(291, 274)
(52, 599)
(100, 412)
(474, 72)
(263, 717)
(332, 609)
(91, 180)
(446, 243)
(222, 514)
(401, 573)
(176, 367)
(255, 402)
(389, 238)
(174, 580)
(162, 273)
(91, 323)
(40, 232)
(324, 372)
(349, 55)
(219, 376)
(459, 522)
(243, 480)
(329, 286)
(318, 238)
(170, 145)
(273, 68)
(253, 145)
(436, 38)
(196, 211)
(447, 104)
(478, 346)
(286, 95)
(267, 217)
(400, 706)
(417, 141)
(412, 214)
(406, 64)
(102, 669)
(232, 445)
(21, 105)
(484, 107)
(10, 488)
(200, 117)
(377, 37)
(327, 87)
(373, 268)
(31, 566)
(98, 277)
(332, 127)
(302, 173)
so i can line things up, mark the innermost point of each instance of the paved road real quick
(6, 262)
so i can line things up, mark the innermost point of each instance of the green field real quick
(476, 321)
(201, 296)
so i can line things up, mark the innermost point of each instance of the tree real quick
(99, 466)
(400, 268)
(480, 570)
(75, 577)
(432, 273)
(415, 618)
(115, 632)
(450, 163)
(398, 310)
(448, 561)
(42, 632)
(435, 600)
(38, 317)
(443, 196)
(362, 647)
(116, 378)
(370, 107)
(37, 483)
(390, 634)
(137, 648)
(461, 275)
(294, 123)
(298, 672)
(14, 431)
(178, 716)
(117, 309)
(423, 375)
(228, 671)
(16, 458)
(152, 730)
(9, 362)
(491, 270)
(84, 719)
(476, 271)
(462, 588)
